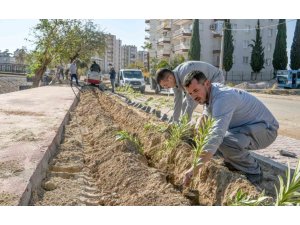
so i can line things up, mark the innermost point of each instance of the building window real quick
(268, 62)
(234, 27)
(248, 27)
(270, 32)
(269, 46)
(245, 59)
(200, 27)
(245, 43)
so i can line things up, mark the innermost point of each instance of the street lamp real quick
(218, 28)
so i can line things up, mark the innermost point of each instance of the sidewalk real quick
(31, 126)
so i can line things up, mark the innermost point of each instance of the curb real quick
(40, 172)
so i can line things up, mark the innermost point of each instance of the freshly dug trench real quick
(215, 184)
(92, 168)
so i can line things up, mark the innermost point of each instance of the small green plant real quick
(124, 135)
(202, 136)
(156, 128)
(126, 88)
(242, 199)
(178, 131)
(289, 193)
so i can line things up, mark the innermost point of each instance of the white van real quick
(132, 77)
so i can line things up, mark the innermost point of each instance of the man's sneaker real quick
(255, 178)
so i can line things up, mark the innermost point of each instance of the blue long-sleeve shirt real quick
(232, 108)
(212, 73)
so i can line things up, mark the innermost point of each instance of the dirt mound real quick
(258, 85)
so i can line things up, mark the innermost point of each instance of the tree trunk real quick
(38, 76)
(226, 76)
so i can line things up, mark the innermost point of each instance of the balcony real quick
(147, 29)
(147, 37)
(216, 51)
(164, 26)
(182, 47)
(147, 21)
(164, 40)
(163, 53)
(181, 22)
(182, 33)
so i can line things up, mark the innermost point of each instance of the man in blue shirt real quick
(242, 123)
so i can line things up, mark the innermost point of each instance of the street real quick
(286, 109)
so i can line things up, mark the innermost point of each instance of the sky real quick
(131, 31)
(13, 32)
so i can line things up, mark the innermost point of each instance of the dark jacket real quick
(112, 74)
(95, 67)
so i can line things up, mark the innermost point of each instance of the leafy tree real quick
(295, 49)
(163, 64)
(20, 55)
(63, 41)
(195, 46)
(257, 54)
(83, 39)
(228, 48)
(48, 40)
(177, 59)
(280, 58)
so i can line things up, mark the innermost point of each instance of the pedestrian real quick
(73, 72)
(112, 78)
(174, 79)
(242, 123)
(95, 67)
(59, 73)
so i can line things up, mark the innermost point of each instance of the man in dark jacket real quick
(112, 78)
(95, 67)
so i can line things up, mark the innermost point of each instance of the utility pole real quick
(222, 49)
(218, 28)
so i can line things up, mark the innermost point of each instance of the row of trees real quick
(280, 59)
(60, 41)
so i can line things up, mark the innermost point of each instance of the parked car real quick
(132, 77)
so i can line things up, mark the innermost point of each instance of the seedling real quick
(156, 128)
(178, 131)
(201, 138)
(289, 193)
(242, 199)
(124, 135)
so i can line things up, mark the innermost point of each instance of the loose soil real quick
(92, 168)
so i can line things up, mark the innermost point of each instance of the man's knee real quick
(235, 141)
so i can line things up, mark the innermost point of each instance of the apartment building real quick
(152, 36)
(8, 63)
(118, 55)
(112, 53)
(129, 55)
(142, 56)
(172, 37)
